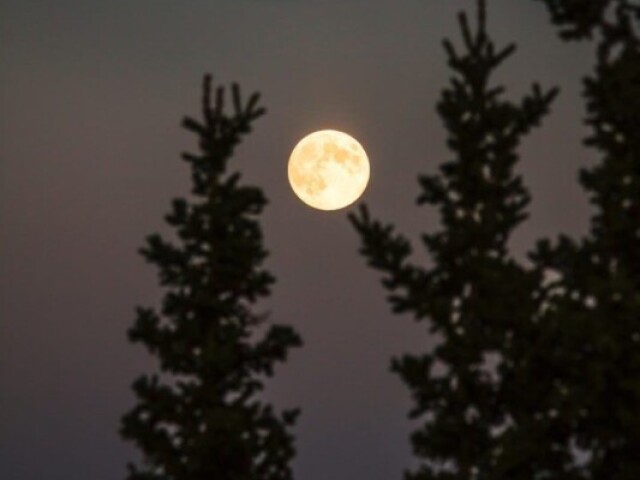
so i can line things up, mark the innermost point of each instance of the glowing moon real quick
(328, 170)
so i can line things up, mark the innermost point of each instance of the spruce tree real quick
(473, 295)
(591, 315)
(200, 417)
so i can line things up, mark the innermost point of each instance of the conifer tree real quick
(200, 417)
(590, 324)
(474, 295)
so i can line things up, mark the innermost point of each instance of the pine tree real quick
(474, 295)
(592, 307)
(200, 417)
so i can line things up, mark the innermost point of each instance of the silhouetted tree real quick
(475, 296)
(199, 417)
(591, 316)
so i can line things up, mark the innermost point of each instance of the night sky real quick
(91, 99)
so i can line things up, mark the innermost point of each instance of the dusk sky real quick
(91, 99)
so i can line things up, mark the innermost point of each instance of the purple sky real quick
(91, 97)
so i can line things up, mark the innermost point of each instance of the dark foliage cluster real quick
(475, 297)
(202, 417)
(593, 316)
(537, 372)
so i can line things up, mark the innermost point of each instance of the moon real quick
(328, 170)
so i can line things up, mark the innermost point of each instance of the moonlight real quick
(328, 170)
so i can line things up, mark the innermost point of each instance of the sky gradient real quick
(91, 99)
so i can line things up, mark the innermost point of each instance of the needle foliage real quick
(591, 318)
(200, 416)
(537, 371)
(474, 296)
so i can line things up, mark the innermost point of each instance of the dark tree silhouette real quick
(591, 317)
(474, 296)
(199, 417)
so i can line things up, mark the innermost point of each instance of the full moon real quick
(328, 170)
